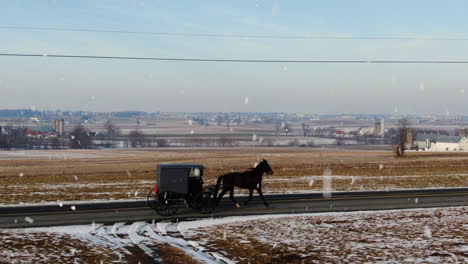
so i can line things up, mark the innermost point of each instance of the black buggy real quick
(180, 184)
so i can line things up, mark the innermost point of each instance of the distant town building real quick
(3, 130)
(59, 126)
(34, 120)
(363, 131)
(462, 132)
(409, 137)
(463, 145)
(379, 129)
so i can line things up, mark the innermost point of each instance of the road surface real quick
(131, 211)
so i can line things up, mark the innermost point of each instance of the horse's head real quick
(265, 167)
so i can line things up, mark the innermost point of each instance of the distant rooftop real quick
(181, 165)
(437, 138)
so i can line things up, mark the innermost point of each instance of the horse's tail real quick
(218, 183)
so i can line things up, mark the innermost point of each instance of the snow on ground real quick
(438, 235)
(139, 242)
(396, 236)
(23, 246)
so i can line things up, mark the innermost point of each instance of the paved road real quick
(111, 212)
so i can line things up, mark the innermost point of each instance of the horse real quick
(250, 179)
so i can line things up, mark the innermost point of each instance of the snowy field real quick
(438, 235)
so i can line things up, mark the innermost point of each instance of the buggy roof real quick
(181, 165)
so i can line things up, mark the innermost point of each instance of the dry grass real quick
(172, 255)
(119, 174)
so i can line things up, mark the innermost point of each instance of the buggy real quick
(180, 184)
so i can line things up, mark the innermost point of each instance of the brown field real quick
(70, 175)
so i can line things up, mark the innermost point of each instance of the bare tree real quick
(135, 138)
(162, 142)
(111, 131)
(55, 143)
(287, 128)
(226, 141)
(80, 138)
(306, 129)
(277, 127)
(404, 127)
(5, 142)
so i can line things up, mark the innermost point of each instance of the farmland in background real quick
(75, 175)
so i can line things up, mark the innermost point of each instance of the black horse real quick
(250, 179)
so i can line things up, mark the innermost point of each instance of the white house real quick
(434, 142)
(463, 145)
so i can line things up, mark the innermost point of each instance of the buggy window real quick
(195, 172)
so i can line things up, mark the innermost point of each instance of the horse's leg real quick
(223, 192)
(250, 196)
(259, 190)
(231, 194)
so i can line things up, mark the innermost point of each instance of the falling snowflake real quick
(421, 87)
(29, 219)
(246, 100)
(254, 137)
(327, 183)
(427, 232)
(73, 208)
(381, 166)
(21, 174)
(190, 122)
(275, 9)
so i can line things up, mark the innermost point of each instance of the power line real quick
(233, 60)
(235, 35)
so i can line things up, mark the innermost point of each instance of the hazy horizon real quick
(151, 86)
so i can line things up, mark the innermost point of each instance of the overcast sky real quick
(112, 85)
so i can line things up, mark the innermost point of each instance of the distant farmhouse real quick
(435, 142)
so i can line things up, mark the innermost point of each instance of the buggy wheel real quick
(166, 204)
(152, 199)
(207, 203)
